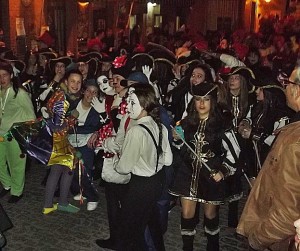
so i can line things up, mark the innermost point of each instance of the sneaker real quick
(48, 210)
(68, 208)
(4, 192)
(78, 197)
(14, 198)
(91, 206)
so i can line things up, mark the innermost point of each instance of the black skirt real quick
(201, 188)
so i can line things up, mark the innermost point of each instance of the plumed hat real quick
(65, 60)
(266, 80)
(13, 60)
(92, 62)
(93, 54)
(246, 72)
(141, 59)
(204, 89)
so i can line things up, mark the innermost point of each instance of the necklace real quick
(3, 103)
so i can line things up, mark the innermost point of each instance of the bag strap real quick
(156, 146)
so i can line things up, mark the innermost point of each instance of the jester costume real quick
(46, 139)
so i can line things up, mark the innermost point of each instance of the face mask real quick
(133, 105)
(103, 83)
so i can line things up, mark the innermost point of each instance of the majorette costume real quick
(209, 148)
(217, 147)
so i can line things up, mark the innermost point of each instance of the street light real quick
(83, 3)
(267, 1)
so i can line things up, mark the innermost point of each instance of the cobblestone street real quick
(34, 231)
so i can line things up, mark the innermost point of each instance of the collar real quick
(144, 119)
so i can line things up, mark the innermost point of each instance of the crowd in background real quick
(178, 120)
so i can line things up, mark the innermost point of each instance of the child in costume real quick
(62, 159)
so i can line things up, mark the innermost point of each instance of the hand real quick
(246, 133)
(147, 70)
(244, 125)
(44, 112)
(92, 142)
(175, 134)
(109, 145)
(217, 176)
(58, 77)
(97, 105)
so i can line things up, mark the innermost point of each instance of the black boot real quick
(188, 232)
(212, 242)
(212, 233)
(233, 214)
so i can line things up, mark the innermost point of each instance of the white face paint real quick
(133, 105)
(103, 83)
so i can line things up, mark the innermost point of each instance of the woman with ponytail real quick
(145, 152)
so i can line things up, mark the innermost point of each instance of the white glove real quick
(147, 71)
(97, 105)
(44, 112)
(109, 145)
(45, 93)
(16, 71)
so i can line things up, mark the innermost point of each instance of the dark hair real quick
(244, 95)
(272, 108)
(193, 116)
(15, 81)
(146, 96)
(85, 86)
(205, 68)
(215, 124)
(73, 71)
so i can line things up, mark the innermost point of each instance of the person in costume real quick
(58, 69)
(87, 65)
(118, 125)
(237, 102)
(145, 151)
(268, 114)
(83, 138)
(181, 95)
(208, 155)
(273, 203)
(107, 94)
(16, 106)
(61, 108)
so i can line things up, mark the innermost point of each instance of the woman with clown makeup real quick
(208, 152)
(145, 151)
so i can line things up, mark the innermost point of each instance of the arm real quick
(167, 152)
(231, 61)
(279, 225)
(131, 150)
(232, 152)
(26, 105)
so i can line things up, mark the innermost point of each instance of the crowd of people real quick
(162, 125)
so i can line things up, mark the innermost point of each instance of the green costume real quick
(13, 109)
